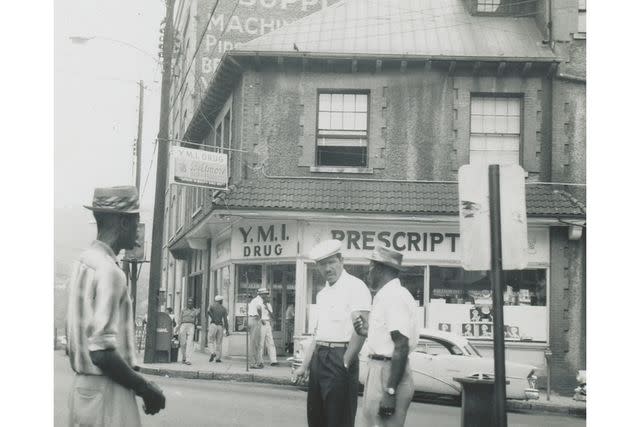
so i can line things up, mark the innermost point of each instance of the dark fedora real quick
(387, 257)
(123, 199)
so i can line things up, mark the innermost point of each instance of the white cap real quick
(263, 291)
(325, 249)
(218, 298)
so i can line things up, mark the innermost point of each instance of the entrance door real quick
(281, 279)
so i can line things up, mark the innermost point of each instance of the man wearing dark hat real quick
(332, 357)
(100, 322)
(392, 331)
(218, 328)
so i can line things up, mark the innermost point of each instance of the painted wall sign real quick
(198, 167)
(416, 243)
(235, 22)
(259, 240)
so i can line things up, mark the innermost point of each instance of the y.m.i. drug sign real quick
(252, 240)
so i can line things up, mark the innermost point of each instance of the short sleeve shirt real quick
(265, 313)
(335, 305)
(393, 309)
(254, 304)
(99, 314)
(189, 315)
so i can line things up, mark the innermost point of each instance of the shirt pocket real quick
(88, 406)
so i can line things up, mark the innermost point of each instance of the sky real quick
(96, 100)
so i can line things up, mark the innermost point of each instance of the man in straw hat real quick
(266, 330)
(332, 357)
(100, 322)
(393, 333)
(218, 328)
(255, 330)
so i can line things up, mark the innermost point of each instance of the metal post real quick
(139, 138)
(500, 414)
(246, 328)
(134, 286)
(547, 356)
(161, 183)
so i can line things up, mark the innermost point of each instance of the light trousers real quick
(376, 382)
(255, 327)
(97, 401)
(216, 333)
(187, 331)
(266, 340)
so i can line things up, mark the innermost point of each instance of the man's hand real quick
(300, 373)
(361, 326)
(153, 398)
(387, 405)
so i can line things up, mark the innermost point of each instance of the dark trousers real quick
(332, 399)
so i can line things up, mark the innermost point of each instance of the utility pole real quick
(134, 262)
(161, 183)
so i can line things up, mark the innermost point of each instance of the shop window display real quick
(461, 302)
(249, 281)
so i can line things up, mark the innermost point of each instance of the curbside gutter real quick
(526, 406)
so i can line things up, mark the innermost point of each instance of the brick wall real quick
(567, 310)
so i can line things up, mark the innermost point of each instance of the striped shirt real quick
(99, 315)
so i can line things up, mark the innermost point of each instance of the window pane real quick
(336, 102)
(513, 125)
(325, 102)
(360, 121)
(501, 124)
(349, 121)
(476, 106)
(501, 106)
(336, 121)
(349, 102)
(514, 107)
(324, 120)
(489, 124)
(361, 103)
(476, 124)
(342, 156)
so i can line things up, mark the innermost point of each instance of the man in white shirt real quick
(332, 358)
(255, 331)
(392, 329)
(266, 332)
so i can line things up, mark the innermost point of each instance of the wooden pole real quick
(500, 414)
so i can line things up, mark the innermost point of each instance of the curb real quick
(528, 406)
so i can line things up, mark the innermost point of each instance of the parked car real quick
(440, 356)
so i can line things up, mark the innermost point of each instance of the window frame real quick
(509, 95)
(367, 137)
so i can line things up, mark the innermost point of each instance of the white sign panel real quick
(198, 167)
(475, 228)
(262, 240)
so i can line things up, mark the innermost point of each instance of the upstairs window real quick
(343, 129)
(503, 7)
(495, 130)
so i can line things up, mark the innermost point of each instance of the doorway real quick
(281, 280)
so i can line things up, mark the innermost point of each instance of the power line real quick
(149, 170)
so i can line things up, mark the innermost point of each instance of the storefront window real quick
(249, 281)
(461, 302)
(412, 278)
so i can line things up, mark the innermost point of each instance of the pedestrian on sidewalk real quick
(266, 331)
(332, 357)
(218, 328)
(187, 328)
(392, 329)
(100, 321)
(290, 319)
(255, 331)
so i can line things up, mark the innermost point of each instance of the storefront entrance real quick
(280, 280)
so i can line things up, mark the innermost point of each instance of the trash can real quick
(478, 400)
(175, 347)
(164, 333)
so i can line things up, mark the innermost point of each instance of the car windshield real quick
(471, 349)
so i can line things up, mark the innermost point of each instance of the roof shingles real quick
(382, 197)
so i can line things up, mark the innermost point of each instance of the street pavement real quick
(228, 403)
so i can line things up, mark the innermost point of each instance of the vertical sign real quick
(473, 195)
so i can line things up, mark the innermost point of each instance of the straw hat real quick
(122, 199)
(387, 257)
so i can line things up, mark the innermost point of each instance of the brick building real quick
(352, 123)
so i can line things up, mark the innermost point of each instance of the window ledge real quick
(340, 169)
(579, 36)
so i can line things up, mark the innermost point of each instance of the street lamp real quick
(85, 39)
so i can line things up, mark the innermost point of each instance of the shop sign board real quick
(264, 240)
(417, 243)
(200, 168)
(475, 239)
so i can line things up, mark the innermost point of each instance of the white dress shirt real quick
(336, 303)
(254, 304)
(265, 313)
(393, 309)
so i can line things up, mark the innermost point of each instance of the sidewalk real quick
(234, 369)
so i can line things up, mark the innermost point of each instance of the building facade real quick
(351, 123)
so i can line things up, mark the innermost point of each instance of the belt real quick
(379, 357)
(332, 344)
(217, 324)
